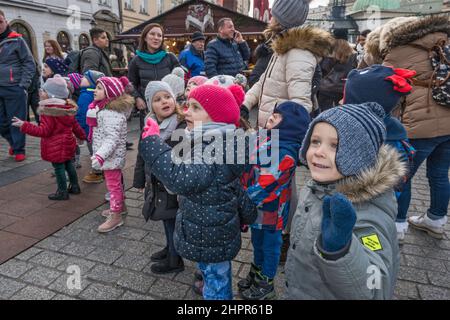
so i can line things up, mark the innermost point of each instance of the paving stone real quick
(84, 265)
(433, 293)
(14, 268)
(412, 249)
(132, 262)
(132, 203)
(413, 274)
(33, 293)
(136, 282)
(105, 273)
(104, 255)
(99, 291)
(439, 279)
(64, 282)
(186, 276)
(131, 233)
(53, 243)
(9, 287)
(49, 259)
(28, 254)
(425, 263)
(166, 289)
(79, 250)
(155, 238)
(191, 295)
(62, 297)
(134, 296)
(81, 236)
(134, 247)
(107, 242)
(41, 276)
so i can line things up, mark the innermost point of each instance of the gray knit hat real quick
(56, 87)
(291, 13)
(176, 81)
(154, 87)
(361, 132)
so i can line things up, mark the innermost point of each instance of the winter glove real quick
(338, 220)
(245, 113)
(151, 128)
(97, 162)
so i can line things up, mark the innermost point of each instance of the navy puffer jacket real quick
(212, 203)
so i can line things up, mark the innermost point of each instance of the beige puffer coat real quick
(405, 43)
(289, 74)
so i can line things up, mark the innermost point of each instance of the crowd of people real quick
(361, 119)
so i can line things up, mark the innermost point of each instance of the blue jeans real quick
(13, 103)
(217, 280)
(437, 153)
(267, 250)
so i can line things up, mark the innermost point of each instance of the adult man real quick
(193, 56)
(226, 54)
(94, 57)
(17, 68)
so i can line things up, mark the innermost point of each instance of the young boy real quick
(269, 187)
(385, 86)
(343, 236)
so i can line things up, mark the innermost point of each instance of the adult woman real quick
(406, 42)
(52, 49)
(297, 51)
(335, 70)
(151, 63)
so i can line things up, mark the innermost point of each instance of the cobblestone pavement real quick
(117, 265)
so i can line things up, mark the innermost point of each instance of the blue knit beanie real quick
(295, 121)
(361, 132)
(93, 76)
(57, 65)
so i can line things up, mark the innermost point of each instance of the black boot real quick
(160, 255)
(261, 289)
(246, 283)
(59, 195)
(74, 189)
(171, 264)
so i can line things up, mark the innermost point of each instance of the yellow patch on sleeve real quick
(372, 242)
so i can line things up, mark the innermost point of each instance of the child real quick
(269, 187)
(385, 86)
(343, 236)
(194, 82)
(87, 87)
(212, 202)
(52, 67)
(160, 204)
(176, 81)
(107, 119)
(57, 129)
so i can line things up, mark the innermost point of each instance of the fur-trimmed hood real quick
(57, 108)
(122, 104)
(401, 31)
(384, 175)
(318, 41)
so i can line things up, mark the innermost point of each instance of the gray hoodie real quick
(373, 249)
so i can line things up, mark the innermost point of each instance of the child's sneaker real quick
(246, 283)
(261, 289)
(402, 228)
(434, 228)
(112, 222)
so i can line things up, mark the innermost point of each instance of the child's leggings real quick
(60, 173)
(267, 250)
(217, 280)
(115, 187)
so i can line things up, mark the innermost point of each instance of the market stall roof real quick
(197, 15)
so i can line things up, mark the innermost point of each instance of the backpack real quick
(440, 61)
(73, 60)
(334, 81)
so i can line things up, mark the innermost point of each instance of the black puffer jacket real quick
(263, 54)
(212, 203)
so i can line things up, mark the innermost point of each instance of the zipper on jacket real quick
(265, 77)
(11, 76)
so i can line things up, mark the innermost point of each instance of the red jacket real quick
(57, 129)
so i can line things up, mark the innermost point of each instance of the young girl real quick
(107, 118)
(52, 67)
(57, 128)
(212, 203)
(269, 185)
(343, 235)
(161, 204)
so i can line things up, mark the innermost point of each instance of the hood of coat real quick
(315, 40)
(57, 108)
(401, 31)
(122, 104)
(375, 181)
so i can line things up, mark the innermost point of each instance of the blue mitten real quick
(338, 220)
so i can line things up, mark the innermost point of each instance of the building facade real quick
(67, 21)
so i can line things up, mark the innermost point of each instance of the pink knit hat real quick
(221, 104)
(114, 87)
(198, 80)
(75, 79)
